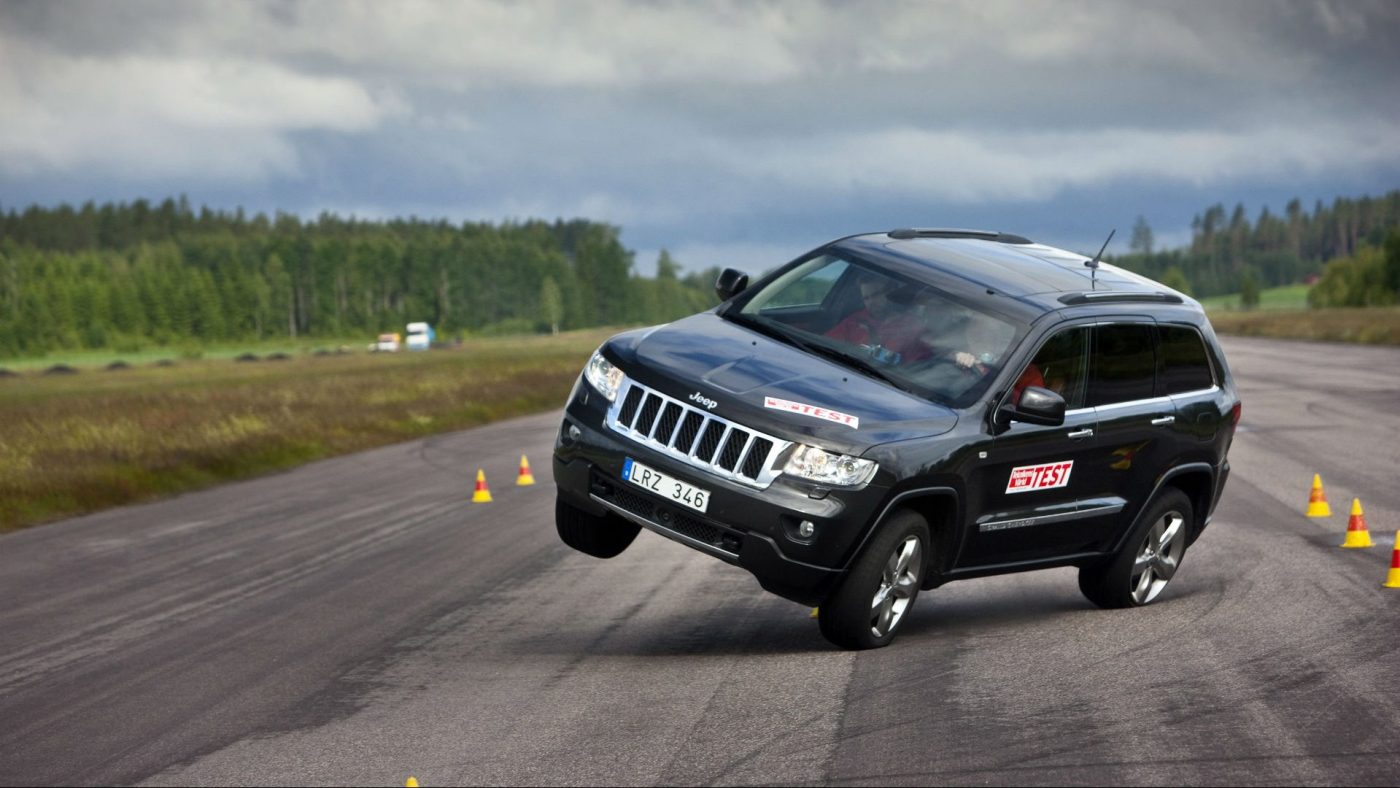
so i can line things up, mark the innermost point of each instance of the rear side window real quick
(1124, 366)
(1182, 364)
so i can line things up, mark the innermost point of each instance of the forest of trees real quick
(132, 274)
(128, 275)
(1229, 253)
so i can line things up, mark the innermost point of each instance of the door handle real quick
(1163, 421)
(1084, 433)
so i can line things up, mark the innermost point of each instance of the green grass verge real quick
(1287, 297)
(1363, 325)
(71, 444)
(151, 353)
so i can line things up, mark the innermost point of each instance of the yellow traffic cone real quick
(1317, 500)
(481, 494)
(525, 476)
(412, 783)
(1392, 580)
(1357, 535)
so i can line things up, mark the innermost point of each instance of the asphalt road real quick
(359, 621)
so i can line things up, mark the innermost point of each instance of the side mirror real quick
(1037, 406)
(730, 283)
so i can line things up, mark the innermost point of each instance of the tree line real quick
(1229, 253)
(133, 274)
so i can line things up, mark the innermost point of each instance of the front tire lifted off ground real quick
(601, 536)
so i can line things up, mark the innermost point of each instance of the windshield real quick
(910, 333)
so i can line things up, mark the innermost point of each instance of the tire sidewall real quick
(845, 615)
(1120, 573)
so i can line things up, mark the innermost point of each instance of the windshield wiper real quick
(853, 361)
(773, 330)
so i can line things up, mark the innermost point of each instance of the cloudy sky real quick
(729, 132)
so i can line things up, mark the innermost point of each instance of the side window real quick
(810, 289)
(1124, 364)
(1181, 364)
(1061, 364)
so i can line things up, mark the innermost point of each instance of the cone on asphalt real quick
(482, 494)
(525, 476)
(1392, 580)
(411, 783)
(1317, 500)
(1357, 535)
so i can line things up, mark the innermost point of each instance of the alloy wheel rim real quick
(1158, 557)
(899, 582)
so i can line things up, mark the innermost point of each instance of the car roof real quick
(1040, 276)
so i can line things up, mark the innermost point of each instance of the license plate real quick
(697, 498)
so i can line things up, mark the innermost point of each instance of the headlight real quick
(603, 375)
(817, 465)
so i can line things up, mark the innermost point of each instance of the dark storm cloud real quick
(747, 126)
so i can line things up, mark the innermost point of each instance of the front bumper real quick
(756, 529)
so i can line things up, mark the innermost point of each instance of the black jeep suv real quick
(893, 411)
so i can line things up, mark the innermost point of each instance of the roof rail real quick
(905, 233)
(1109, 296)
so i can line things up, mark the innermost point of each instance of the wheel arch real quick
(1196, 480)
(938, 506)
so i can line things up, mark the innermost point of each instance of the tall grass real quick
(78, 443)
(1363, 325)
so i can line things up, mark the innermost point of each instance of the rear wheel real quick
(1149, 558)
(868, 607)
(601, 536)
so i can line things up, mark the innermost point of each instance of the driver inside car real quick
(887, 328)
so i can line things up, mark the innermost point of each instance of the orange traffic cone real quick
(482, 494)
(1317, 500)
(1392, 580)
(525, 476)
(1357, 535)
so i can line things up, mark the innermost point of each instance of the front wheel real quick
(601, 536)
(868, 607)
(1149, 558)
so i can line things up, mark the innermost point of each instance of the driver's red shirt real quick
(899, 333)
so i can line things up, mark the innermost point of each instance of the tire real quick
(868, 607)
(601, 536)
(1150, 557)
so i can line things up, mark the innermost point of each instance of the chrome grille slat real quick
(709, 441)
(694, 436)
(646, 419)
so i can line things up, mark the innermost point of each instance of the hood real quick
(774, 387)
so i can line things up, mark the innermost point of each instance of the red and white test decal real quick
(813, 411)
(1039, 477)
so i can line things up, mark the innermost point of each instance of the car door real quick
(1025, 492)
(1136, 438)
(1184, 373)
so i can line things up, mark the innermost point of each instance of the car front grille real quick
(694, 436)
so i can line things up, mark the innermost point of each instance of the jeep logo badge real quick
(701, 399)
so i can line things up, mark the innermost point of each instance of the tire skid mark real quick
(240, 540)
(40, 660)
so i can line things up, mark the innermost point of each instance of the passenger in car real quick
(985, 342)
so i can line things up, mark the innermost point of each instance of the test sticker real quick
(1039, 477)
(813, 411)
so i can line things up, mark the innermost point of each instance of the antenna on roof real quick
(1094, 263)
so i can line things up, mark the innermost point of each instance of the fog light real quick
(574, 433)
(806, 529)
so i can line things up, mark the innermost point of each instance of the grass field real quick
(1286, 297)
(77, 443)
(154, 353)
(1368, 326)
